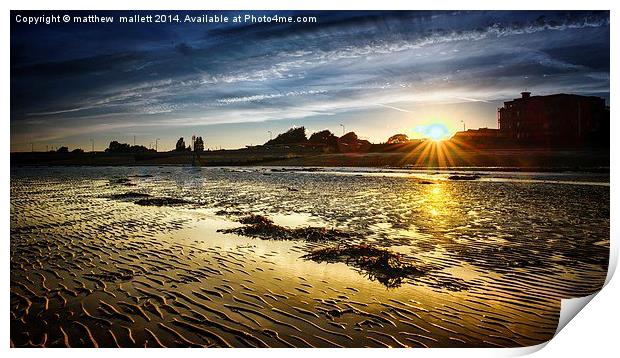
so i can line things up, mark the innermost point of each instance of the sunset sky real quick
(378, 73)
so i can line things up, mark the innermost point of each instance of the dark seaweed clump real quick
(426, 182)
(382, 265)
(145, 199)
(464, 177)
(129, 195)
(122, 181)
(119, 180)
(161, 202)
(259, 226)
(229, 213)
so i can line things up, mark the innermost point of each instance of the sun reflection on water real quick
(436, 200)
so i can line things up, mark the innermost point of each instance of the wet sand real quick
(92, 266)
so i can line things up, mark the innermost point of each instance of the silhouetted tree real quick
(116, 147)
(78, 150)
(199, 145)
(180, 147)
(351, 143)
(326, 138)
(398, 138)
(63, 150)
(292, 136)
(350, 137)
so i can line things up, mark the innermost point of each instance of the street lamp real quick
(342, 125)
(462, 121)
(156, 140)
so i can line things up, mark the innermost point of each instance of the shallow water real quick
(501, 251)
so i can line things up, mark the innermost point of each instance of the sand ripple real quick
(90, 267)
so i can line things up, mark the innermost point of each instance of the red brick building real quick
(559, 119)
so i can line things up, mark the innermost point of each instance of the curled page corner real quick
(572, 306)
(613, 261)
(523, 351)
(569, 309)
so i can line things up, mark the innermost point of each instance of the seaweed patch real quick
(262, 227)
(385, 266)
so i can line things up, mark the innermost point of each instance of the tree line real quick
(294, 136)
(349, 142)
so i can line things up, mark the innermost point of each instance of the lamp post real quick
(342, 125)
(462, 121)
(156, 140)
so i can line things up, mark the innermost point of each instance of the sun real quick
(434, 131)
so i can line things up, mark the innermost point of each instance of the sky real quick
(375, 73)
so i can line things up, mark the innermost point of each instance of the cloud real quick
(392, 107)
(184, 49)
(263, 97)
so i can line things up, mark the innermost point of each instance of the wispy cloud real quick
(392, 107)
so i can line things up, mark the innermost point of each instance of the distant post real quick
(342, 125)
(193, 150)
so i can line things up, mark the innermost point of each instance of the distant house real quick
(559, 119)
(478, 134)
(482, 137)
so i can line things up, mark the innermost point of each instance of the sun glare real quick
(434, 131)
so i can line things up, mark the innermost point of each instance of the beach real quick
(176, 256)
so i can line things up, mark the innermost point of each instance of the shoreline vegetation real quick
(482, 148)
(516, 159)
